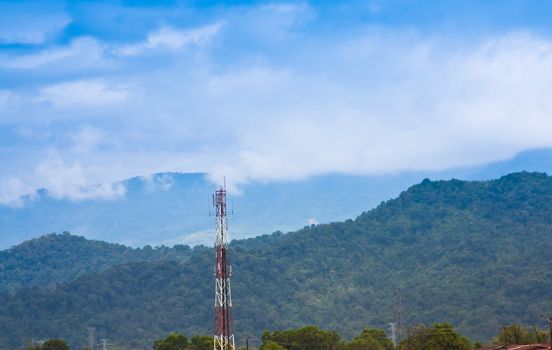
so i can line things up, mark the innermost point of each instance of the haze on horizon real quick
(95, 92)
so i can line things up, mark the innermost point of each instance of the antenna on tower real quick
(224, 323)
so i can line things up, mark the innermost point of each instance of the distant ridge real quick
(172, 208)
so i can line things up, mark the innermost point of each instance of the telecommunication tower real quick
(91, 338)
(393, 336)
(224, 324)
(399, 315)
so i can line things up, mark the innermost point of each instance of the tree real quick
(165, 346)
(441, 336)
(362, 344)
(54, 344)
(174, 341)
(31, 346)
(372, 338)
(519, 335)
(305, 338)
(270, 345)
(202, 342)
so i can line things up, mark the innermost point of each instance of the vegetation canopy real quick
(470, 253)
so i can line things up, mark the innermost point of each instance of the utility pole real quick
(104, 344)
(246, 343)
(505, 337)
(550, 331)
(549, 319)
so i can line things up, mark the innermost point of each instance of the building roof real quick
(518, 347)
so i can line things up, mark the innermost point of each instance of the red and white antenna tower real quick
(224, 324)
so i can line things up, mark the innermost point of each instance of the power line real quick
(549, 319)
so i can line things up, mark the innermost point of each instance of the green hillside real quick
(55, 258)
(475, 254)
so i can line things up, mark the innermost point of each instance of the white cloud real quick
(73, 182)
(378, 102)
(87, 139)
(83, 93)
(434, 108)
(312, 221)
(36, 60)
(11, 191)
(82, 52)
(204, 237)
(169, 38)
(158, 182)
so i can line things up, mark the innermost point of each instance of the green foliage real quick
(174, 341)
(54, 259)
(305, 338)
(441, 336)
(519, 335)
(51, 344)
(315, 338)
(471, 253)
(178, 341)
(54, 344)
(362, 344)
(270, 345)
(201, 342)
(369, 339)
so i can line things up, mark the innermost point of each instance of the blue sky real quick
(92, 92)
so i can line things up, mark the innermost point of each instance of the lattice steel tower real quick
(224, 324)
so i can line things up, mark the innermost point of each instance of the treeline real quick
(178, 341)
(440, 336)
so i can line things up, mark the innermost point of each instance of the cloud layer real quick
(266, 93)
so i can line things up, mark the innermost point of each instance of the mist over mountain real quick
(473, 253)
(172, 208)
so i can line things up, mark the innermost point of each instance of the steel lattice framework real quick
(224, 324)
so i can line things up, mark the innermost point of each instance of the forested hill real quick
(475, 254)
(57, 258)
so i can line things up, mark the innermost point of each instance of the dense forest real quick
(474, 254)
(53, 259)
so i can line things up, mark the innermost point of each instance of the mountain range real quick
(172, 208)
(473, 253)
